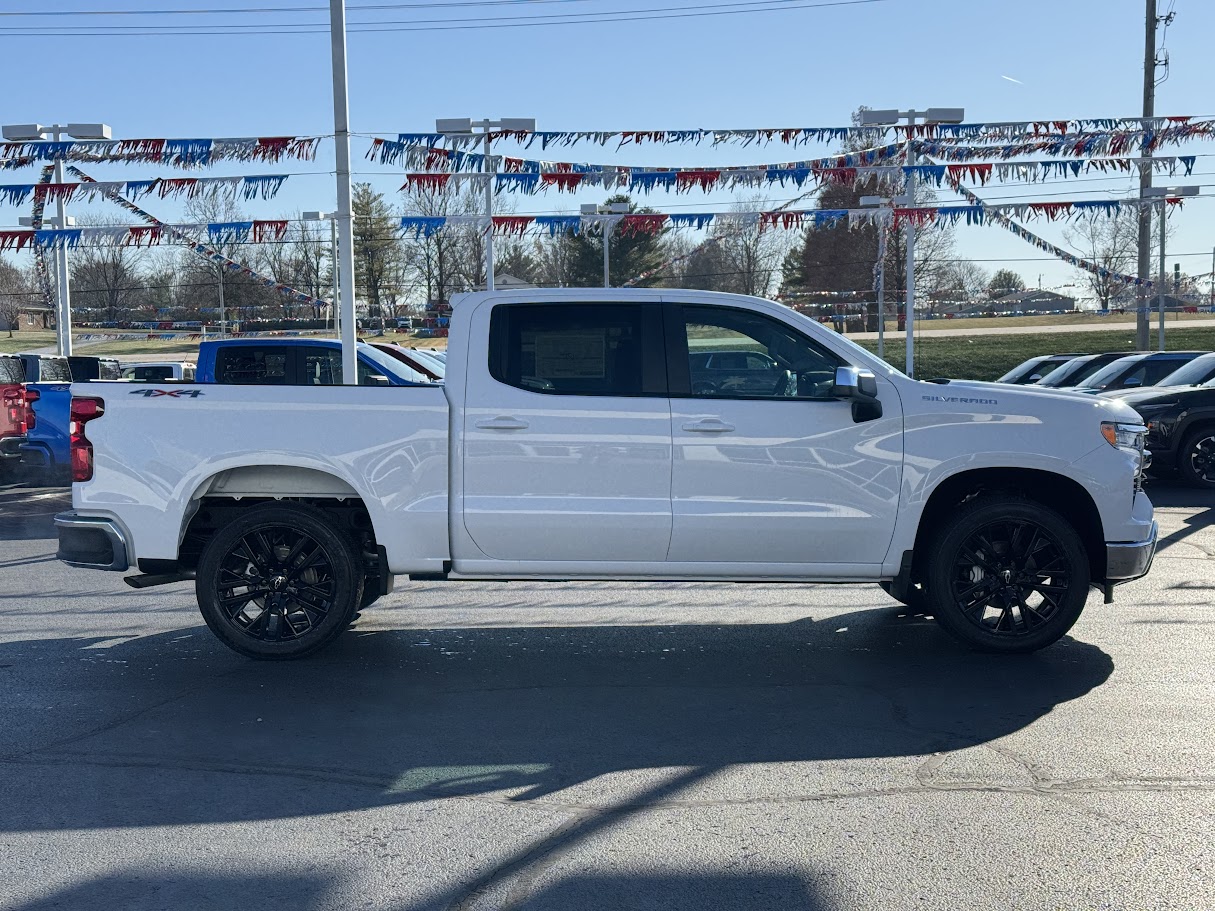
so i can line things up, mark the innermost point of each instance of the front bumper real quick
(1124, 562)
(92, 542)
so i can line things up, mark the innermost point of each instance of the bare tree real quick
(15, 295)
(106, 279)
(1111, 244)
(960, 281)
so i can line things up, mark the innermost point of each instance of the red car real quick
(16, 411)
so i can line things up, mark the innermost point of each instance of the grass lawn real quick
(986, 357)
(1114, 321)
(27, 340)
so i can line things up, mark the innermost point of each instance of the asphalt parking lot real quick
(604, 746)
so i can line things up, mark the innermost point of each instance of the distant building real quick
(504, 281)
(1023, 302)
(32, 316)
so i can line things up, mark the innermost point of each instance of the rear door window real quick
(577, 349)
(249, 365)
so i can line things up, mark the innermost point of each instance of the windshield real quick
(390, 366)
(1071, 373)
(1108, 373)
(1194, 373)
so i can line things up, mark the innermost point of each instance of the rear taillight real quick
(83, 411)
(31, 396)
(14, 408)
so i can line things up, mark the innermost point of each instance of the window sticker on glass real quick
(572, 355)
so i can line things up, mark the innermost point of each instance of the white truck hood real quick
(1034, 400)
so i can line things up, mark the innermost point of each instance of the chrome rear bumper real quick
(92, 542)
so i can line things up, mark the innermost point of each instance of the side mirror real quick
(376, 379)
(854, 383)
(1131, 382)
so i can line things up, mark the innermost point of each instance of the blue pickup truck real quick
(48, 384)
(296, 362)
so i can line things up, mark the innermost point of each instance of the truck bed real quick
(157, 446)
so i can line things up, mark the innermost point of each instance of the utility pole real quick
(1142, 316)
(345, 215)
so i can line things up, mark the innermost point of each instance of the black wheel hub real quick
(1202, 459)
(276, 584)
(1009, 577)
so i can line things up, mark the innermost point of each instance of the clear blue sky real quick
(793, 67)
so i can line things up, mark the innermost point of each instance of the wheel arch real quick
(1064, 495)
(227, 493)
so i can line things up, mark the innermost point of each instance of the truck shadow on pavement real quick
(172, 729)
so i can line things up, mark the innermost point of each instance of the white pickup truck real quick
(584, 434)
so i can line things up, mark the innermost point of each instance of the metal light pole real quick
(931, 115)
(344, 218)
(330, 217)
(1164, 194)
(463, 126)
(881, 288)
(608, 208)
(223, 322)
(27, 132)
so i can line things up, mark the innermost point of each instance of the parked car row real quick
(1172, 391)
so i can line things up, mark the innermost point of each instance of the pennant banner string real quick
(1003, 219)
(682, 180)
(152, 232)
(182, 153)
(264, 186)
(1131, 132)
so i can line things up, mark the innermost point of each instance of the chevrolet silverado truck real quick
(570, 442)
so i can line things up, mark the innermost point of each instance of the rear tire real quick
(279, 582)
(1008, 575)
(1196, 459)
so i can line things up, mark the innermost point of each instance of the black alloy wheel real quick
(1009, 575)
(279, 582)
(1197, 462)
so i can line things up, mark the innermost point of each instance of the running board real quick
(146, 580)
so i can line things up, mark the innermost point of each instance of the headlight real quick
(1123, 436)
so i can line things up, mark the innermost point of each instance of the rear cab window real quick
(11, 370)
(578, 349)
(252, 366)
(54, 370)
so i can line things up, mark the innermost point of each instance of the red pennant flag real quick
(15, 240)
(138, 234)
(917, 216)
(1051, 210)
(264, 231)
(685, 180)
(434, 182)
(563, 180)
(649, 223)
(512, 224)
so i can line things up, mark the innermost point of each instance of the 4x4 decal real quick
(171, 393)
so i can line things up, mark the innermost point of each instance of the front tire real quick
(1008, 575)
(279, 582)
(1196, 459)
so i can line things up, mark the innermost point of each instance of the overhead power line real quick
(420, 25)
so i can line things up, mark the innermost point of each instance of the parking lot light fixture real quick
(886, 118)
(1164, 194)
(607, 208)
(330, 217)
(465, 126)
(35, 132)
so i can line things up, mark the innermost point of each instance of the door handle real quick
(501, 422)
(709, 425)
